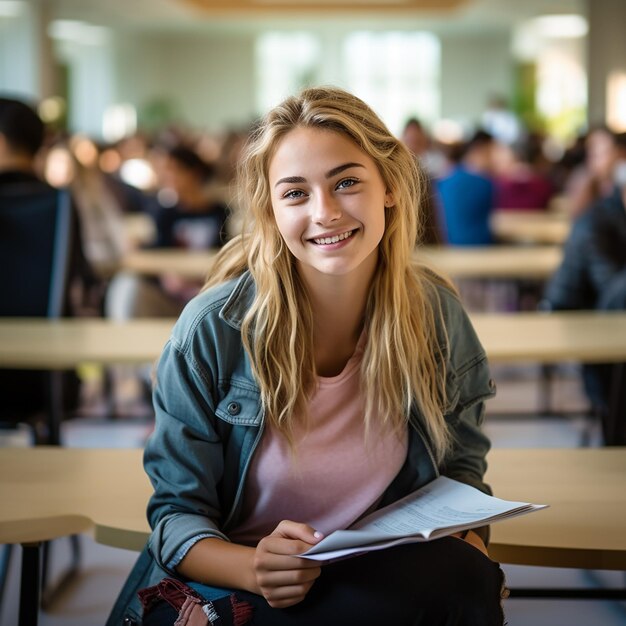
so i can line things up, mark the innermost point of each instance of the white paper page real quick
(443, 503)
(342, 553)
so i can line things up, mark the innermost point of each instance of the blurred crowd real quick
(180, 181)
(494, 170)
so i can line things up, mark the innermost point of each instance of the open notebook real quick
(440, 508)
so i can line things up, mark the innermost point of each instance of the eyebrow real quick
(329, 174)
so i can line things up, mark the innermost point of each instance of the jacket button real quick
(234, 408)
(492, 383)
(129, 621)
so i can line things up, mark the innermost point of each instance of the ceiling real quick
(253, 15)
(276, 7)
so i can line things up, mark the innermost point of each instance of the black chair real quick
(36, 231)
(35, 237)
(37, 228)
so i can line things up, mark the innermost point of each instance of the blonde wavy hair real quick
(403, 361)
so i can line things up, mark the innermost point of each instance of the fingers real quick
(276, 554)
(296, 530)
(294, 577)
(288, 587)
(282, 597)
(283, 587)
(288, 540)
(282, 577)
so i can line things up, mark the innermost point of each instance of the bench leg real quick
(30, 585)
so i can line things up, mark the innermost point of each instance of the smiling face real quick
(329, 200)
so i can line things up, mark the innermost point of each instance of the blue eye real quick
(347, 182)
(293, 194)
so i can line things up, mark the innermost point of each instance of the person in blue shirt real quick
(467, 194)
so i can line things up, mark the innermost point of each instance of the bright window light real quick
(79, 32)
(396, 73)
(616, 102)
(286, 63)
(565, 26)
(11, 8)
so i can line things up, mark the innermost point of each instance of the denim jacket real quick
(209, 421)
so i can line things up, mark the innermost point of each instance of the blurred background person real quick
(594, 252)
(467, 193)
(519, 179)
(592, 272)
(24, 393)
(22, 135)
(185, 210)
(416, 139)
(593, 179)
(187, 215)
(103, 232)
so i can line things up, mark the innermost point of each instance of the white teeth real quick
(335, 239)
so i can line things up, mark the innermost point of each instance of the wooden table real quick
(588, 337)
(185, 263)
(534, 227)
(584, 525)
(516, 262)
(34, 343)
(510, 262)
(513, 338)
(48, 492)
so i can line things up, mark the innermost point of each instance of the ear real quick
(389, 201)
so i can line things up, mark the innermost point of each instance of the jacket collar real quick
(239, 301)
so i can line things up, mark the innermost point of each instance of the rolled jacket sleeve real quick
(183, 458)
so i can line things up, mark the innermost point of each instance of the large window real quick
(397, 73)
(286, 63)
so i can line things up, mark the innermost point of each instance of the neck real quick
(476, 163)
(338, 304)
(16, 163)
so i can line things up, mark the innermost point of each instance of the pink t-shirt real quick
(335, 474)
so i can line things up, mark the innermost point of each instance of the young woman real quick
(320, 375)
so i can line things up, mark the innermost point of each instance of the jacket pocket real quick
(468, 386)
(239, 404)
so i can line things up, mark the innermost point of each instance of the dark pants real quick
(445, 582)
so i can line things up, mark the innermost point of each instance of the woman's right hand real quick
(282, 578)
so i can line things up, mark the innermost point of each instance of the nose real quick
(326, 209)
